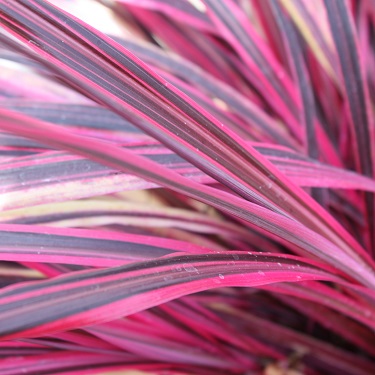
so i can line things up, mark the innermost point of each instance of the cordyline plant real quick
(187, 189)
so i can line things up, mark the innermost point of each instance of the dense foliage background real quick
(187, 187)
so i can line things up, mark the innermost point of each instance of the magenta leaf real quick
(98, 296)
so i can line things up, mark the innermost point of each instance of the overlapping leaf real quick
(97, 296)
(281, 226)
(225, 157)
(189, 129)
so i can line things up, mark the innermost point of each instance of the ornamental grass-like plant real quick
(187, 187)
